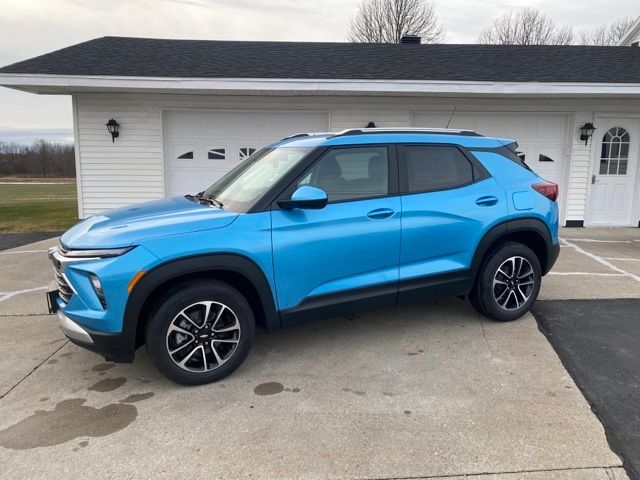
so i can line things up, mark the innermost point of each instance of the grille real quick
(64, 290)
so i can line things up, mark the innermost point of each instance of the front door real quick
(613, 173)
(347, 251)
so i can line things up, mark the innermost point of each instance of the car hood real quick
(130, 225)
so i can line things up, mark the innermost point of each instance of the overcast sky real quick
(33, 27)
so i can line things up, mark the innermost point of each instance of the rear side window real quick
(430, 167)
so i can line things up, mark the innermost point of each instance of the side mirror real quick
(305, 197)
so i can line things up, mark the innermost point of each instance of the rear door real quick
(448, 202)
(349, 250)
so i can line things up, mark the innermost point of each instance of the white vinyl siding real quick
(132, 169)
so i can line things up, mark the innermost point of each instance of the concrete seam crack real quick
(32, 370)
(506, 472)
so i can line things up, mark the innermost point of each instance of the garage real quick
(542, 138)
(200, 146)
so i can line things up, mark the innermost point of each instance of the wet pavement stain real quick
(44, 399)
(292, 390)
(137, 397)
(69, 420)
(108, 384)
(268, 388)
(407, 412)
(67, 355)
(83, 443)
(52, 362)
(101, 367)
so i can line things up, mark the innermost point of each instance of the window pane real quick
(436, 168)
(604, 165)
(622, 167)
(350, 173)
(186, 156)
(625, 137)
(613, 167)
(624, 150)
(615, 150)
(605, 150)
(216, 154)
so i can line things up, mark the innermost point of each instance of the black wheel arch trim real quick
(162, 273)
(512, 226)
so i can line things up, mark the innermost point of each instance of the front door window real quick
(614, 156)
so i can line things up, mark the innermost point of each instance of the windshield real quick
(243, 185)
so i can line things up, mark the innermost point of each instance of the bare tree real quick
(607, 34)
(527, 26)
(387, 21)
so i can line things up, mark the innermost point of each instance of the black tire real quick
(491, 300)
(188, 297)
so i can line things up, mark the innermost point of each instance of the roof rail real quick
(433, 131)
(308, 134)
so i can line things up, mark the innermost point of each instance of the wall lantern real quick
(370, 125)
(586, 131)
(112, 127)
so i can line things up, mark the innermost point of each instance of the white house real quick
(188, 111)
(632, 37)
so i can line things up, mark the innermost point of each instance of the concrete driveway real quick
(426, 391)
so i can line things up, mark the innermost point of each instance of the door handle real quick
(379, 213)
(487, 201)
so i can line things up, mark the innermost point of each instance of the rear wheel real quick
(508, 282)
(201, 333)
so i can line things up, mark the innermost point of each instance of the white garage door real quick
(200, 146)
(541, 137)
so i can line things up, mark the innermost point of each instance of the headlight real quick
(97, 287)
(95, 253)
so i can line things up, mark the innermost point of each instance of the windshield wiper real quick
(202, 198)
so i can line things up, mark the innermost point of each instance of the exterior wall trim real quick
(69, 84)
(76, 145)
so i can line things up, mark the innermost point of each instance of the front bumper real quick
(113, 347)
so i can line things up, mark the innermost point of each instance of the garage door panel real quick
(220, 139)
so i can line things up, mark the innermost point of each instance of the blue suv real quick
(315, 225)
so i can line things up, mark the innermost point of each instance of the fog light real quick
(97, 287)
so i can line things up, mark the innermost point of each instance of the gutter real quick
(67, 84)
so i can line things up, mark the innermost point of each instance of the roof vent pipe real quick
(410, 39)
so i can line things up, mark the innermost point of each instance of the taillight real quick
(548, 189)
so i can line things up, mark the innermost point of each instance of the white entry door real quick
(201, 146)
(613, 172)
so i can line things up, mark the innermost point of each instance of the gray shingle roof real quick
(144, 57)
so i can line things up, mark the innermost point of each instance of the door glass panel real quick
(615, 152)
(350, 173)
(436, 168)
(622, 167)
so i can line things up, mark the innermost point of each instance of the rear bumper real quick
(552, 256)
(114, 347)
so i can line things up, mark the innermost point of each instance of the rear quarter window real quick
(432, 167)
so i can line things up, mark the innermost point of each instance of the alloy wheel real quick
(203, 336)
(513, 283)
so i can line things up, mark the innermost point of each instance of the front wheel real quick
(508, 283)
(201, 333)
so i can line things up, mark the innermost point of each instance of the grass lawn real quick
(38, 208)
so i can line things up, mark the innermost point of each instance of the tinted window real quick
(435, 168)
(350, 173)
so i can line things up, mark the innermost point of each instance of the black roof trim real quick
(152, 57)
